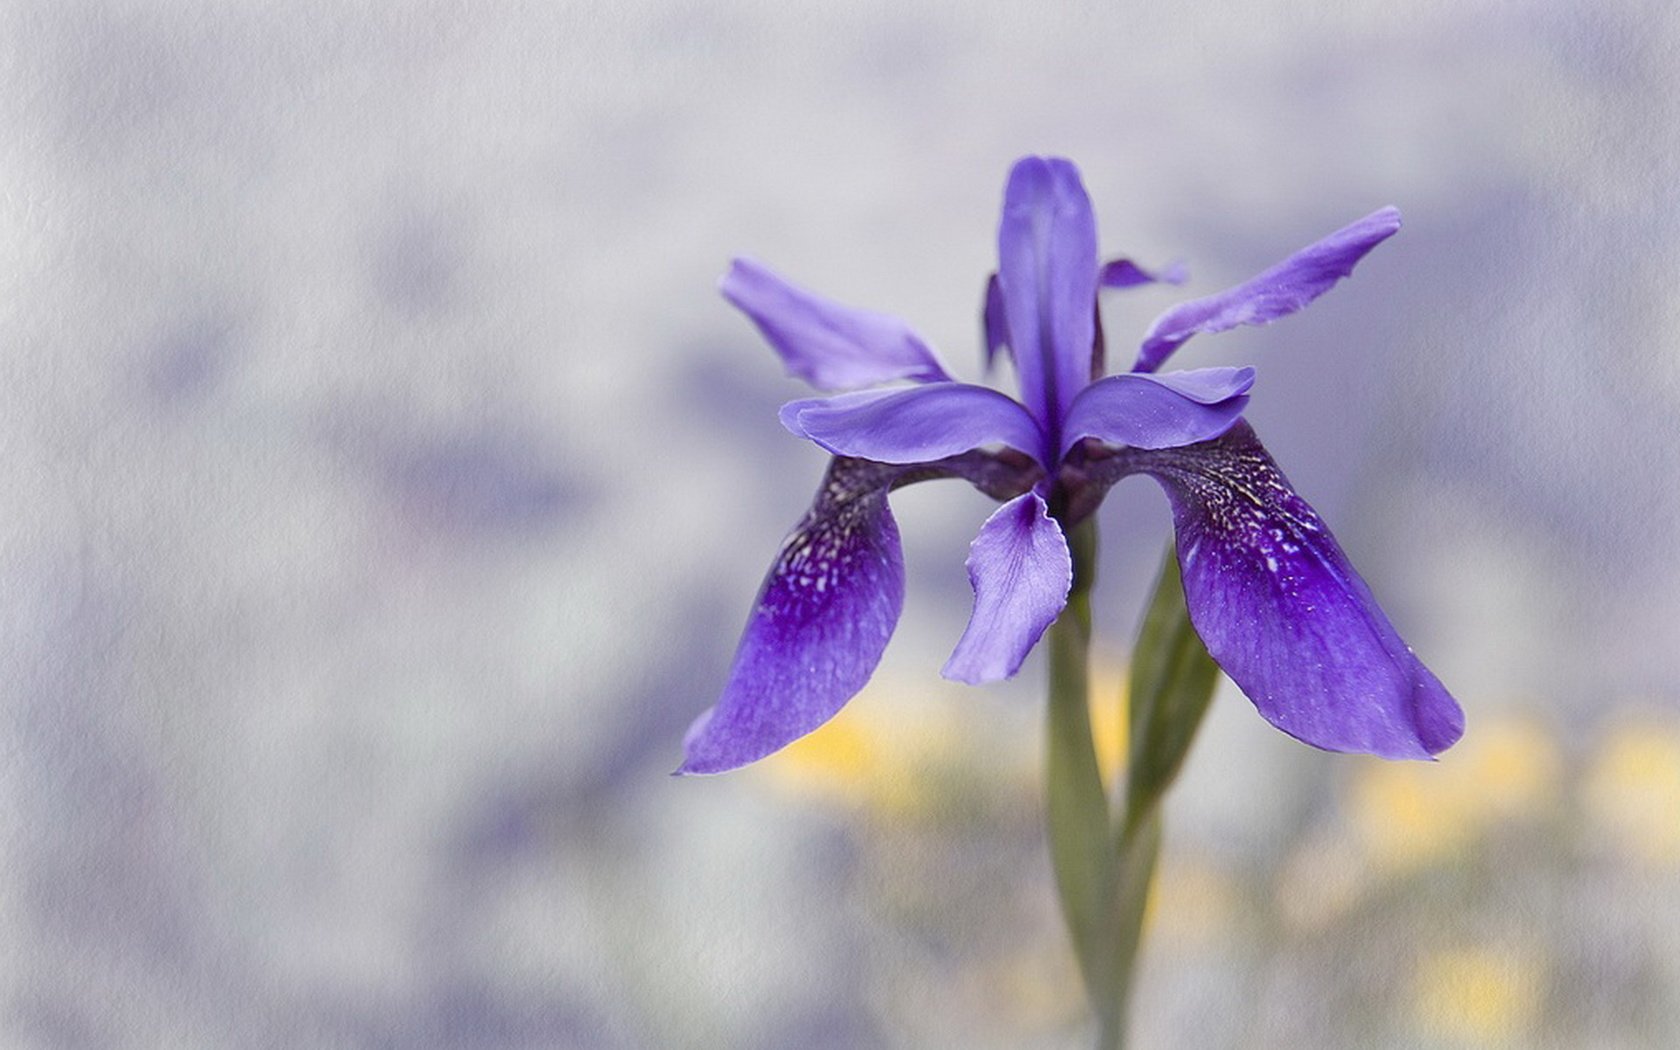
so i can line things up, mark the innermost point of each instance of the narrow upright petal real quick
(1047, 272)
(914, 424)
(822, 620)
(1278, 292)
(994, 324)
(1021, 570)
(1144, 410)
(830, 346)
(1124, 273)
(1284, 613)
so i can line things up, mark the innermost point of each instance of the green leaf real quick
(1172, 683)
(1105, 866)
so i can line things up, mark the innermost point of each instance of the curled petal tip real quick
(788, 415)
(691, 764)
(1387, 216)
(1440, 719)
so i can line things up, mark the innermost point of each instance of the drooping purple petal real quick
(1284, 613)
(1278, 292)
(822, 620)
(830, 346)
(1047, 272)
(1145, 410)
(1021, 570)
(914, 424)
(1124, 273)
(994, 326)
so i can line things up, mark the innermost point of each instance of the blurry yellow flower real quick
(1405, 818)
(1632, 791)
(1510, 767)
(840, 762)
(859, 761)
(1108, 714)
(883, 754)
(885, 751)
(1479, 996)
(1413, 814)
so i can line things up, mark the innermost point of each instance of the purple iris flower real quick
(1268, 589)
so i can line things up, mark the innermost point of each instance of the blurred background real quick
(388, 485)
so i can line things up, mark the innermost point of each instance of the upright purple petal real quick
(994, 325)
(915, 424)
(1158, 411)
(1278, 292)
(1284, 614)
(1047, 271)
(1021, 570)
(822, 620)
(830, 346)
(1124, 273)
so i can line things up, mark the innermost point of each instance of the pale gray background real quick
(387, 484)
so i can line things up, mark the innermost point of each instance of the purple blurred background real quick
(389, 484)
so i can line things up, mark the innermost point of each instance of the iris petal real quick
(830, 346)
(1284, 613)
(1124, 273)
(1047, 272)
(1158, 411)
(822, 620)
(994, 325)
(914, 424)
(1278, 292)
(1021, 570)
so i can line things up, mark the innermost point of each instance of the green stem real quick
(1077, 805)
(1105, 856)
